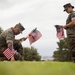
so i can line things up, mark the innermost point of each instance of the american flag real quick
(34, 35)
(9, 53)
(60, 32)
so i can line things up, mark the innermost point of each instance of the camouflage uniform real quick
(5, 37)
(18, 47)
(71, 34)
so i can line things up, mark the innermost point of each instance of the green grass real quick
(37, 68)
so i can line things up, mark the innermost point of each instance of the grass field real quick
(37, 68)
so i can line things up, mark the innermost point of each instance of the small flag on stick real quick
(34, 35)
(9, 53)
(60, 32)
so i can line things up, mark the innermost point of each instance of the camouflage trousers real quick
(71, 43)
(19, 51)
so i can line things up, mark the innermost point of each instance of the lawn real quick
(37, 68)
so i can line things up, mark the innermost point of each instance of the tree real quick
(31, 54)
(1, 30)
(62, 53)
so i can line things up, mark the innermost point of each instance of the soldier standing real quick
(70, 28)
(7, 39)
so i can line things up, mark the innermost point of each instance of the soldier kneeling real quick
(19, 53)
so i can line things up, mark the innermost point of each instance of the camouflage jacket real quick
(70, 30)
(6, 36)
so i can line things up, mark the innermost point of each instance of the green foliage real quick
(31, 54)
(62, 53)
(1, 30)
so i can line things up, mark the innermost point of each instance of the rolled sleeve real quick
(73, 16)
(9, 41)
(9, 37)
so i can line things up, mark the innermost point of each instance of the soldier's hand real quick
(64, 27)
(23, 39)
(12, 59)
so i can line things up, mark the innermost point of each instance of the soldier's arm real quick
(71, 24)
(10, 45)
(21, 39)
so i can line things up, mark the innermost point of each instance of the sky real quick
(43, 14)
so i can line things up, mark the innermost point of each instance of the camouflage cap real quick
(67, 5)
(21, 28)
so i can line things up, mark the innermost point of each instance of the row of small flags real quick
(33, 36)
